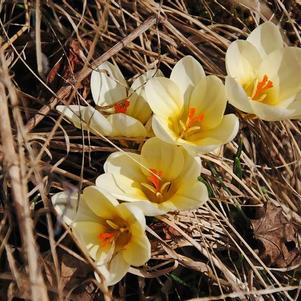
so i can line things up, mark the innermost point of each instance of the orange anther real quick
(154, 178)
(192, 119)
(121, 107)
(264, 85)
(106, 238)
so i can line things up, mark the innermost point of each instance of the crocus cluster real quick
(186, 114)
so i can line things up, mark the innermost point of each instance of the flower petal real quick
(208, 140)
(139, 108)
(149, 208)
(101, 203)
(284, 68)
(108, 85)
(162, 156)
(71, 208)
(126, 164)
(121, 187)
(164, 97)
(266, 38)
(295, 106)
(73, 113)
(210, 101)
(87, 233)
(190, 195)
(126, 126)
(186, 74)
(237, 96)
(271, 113)
(113, 271)
(242, 61)
(161, 130)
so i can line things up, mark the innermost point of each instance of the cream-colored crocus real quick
(189, 108)
(112, 234)
(120, 110)
(264, 77)
(162, 178)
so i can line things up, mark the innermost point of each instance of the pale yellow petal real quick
(126, 126)
(284, 68)
(237, 96)
(295, 107)
(149, 208)
(186, 74)
(270, 112)
(162, 130)
(242, 61)
(74, 114)
(133, 216)
(121, 187)
(88, 235)
(266, 38)
(139, 108)
(190, 196)
(114, 271)
(164, 97)
(71, 208)
(210, 101)
(164, 157)
(126, 164)
(100, 202)
(108, 85)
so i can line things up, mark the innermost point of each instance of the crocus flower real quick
(264, 77)
(162, 179)
(113, 234)
(189, 108)
(120, 110)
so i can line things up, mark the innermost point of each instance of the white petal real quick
(190, 195)
(210, 101)
(108, 85)
(208, 140)
(242, 61)
(161, 130)
(139, 108)
(101, 203)
(121, 187)
(162, 156)
(126, 126)
(149, 208)
(266, 38)
(126, 164)
(164, 97)
(73, 113)
(295, 106)
(71, 208)
(186, 74)
(237, 96)
(114, 271)
(271, 112)
(87, 233)
(284, 68)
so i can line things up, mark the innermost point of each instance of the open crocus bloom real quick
(113, 234)
(189, 108)
(264, 78)
(162, 179)
(124, 110)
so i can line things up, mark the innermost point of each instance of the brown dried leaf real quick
(276, 237)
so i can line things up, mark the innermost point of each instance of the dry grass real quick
(243, 244)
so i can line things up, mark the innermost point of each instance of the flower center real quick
(122, 106)
(156, 189)
(117, 232)
(191, 124)
(258, 90)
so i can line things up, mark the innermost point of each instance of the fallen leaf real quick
(276, 238)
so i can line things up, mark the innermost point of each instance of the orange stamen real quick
(192, 119)
(154, 178)
(264, 85)
(106, 238)
(121, 107)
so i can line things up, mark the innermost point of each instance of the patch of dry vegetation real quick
(243, 244)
